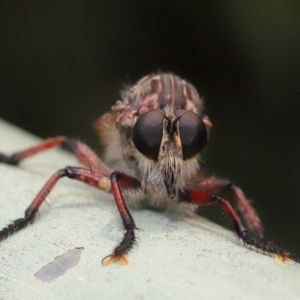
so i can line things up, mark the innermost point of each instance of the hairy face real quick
(165, 173)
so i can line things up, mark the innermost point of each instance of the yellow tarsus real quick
(284, 259)
(112, 258)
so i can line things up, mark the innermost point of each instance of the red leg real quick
(93, 178)
(83, 153)
(15, 158)
(89, 177)
(207, 198)
(118, 181)
(214, 185)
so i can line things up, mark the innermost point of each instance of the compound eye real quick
(147, 133)
(193, 134)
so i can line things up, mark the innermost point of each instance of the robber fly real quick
(157, 132)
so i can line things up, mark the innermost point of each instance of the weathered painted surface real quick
(174, 259)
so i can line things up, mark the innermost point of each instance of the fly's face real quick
(168, 142)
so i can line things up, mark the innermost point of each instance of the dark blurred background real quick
(63, 64)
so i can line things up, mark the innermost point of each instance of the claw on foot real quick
(110, 259)
(284, 258)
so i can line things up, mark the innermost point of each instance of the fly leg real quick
(82, 152)
(206, 198)
(215, 185)
(121, 181)
(82, 174)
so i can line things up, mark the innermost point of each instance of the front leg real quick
(82, 174)
(118, 181)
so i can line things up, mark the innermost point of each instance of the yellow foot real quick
(110, 259)
(285, 257)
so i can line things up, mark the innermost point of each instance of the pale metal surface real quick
(190, 258)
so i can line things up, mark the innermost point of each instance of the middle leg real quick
(206, 198)
(215, 185)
